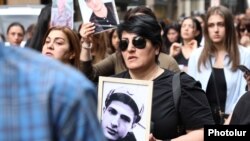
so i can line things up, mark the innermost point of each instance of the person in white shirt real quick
(216, 64)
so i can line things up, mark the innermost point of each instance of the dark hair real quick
(145, 26)
(41, 28)
(111, 33)
(29, 32)
(2, 37)
(175, 26)
(126, 99)
(245, 23)
(74, 44)
(139, 10)
(197, 26)
(199, 14)
(30, 28)
(16, 24)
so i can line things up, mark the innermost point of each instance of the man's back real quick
(41, 99)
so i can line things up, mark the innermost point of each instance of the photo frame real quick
(62, 13)
(89, 11)
(140, 91)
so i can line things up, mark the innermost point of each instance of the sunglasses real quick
(244, 29)
(138, 42)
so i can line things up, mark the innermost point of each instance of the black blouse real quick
(241, 113)
(181, 60)
(107, 22)
(194, 110)
(220, 82)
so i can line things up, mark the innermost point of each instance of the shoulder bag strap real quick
(176, 86)
(216, 90)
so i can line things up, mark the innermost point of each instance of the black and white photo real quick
(124, 108)
(102, 13)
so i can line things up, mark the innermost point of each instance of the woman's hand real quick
(86, 31)
(152, 138)
(245, 41)
(193, 44)
(175, 49)
(247, 77)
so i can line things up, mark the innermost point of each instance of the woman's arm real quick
(105, 67)
(192, 135)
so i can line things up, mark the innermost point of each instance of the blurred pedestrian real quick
(216, 64)
(42, 99)
(15, 34)
(42, 26)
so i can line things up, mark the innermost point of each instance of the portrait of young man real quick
(124, 108)
(120, 115)
(104, 14)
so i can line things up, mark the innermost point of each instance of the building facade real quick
(171, 9)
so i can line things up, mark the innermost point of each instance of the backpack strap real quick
(176, 86)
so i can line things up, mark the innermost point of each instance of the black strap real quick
(216, 92)
(215, 85)
(176, 86)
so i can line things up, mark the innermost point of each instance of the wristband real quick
(86, 45)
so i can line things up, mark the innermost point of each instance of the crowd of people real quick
(51, 94)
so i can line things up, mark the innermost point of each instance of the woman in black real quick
(191, 34)
(241, 113)
(140, 43)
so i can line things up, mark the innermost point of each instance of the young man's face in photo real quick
(95, 5)
(117, 120)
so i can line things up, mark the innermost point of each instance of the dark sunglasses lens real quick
(248, 27)
(242, 29)
(123, 45)
(139, 42)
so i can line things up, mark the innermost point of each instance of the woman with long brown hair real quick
(216, 65)
(63, 44)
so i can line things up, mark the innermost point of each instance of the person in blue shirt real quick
(42, 99)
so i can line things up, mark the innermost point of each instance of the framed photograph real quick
(124, 108)
(62, 12)
(102, 13)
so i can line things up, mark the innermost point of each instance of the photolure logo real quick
(213, 132)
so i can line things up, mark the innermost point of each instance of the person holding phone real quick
(216, 64)
(244, 69)
(247, 77)
(246, 72)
